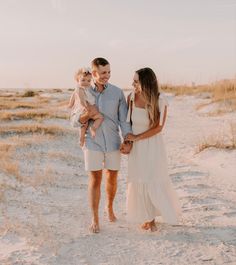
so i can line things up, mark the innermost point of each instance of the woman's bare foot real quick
(94, 228)
(145, 226)
(149, 225)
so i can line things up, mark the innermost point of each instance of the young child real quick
(81, 98)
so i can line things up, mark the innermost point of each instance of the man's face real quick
(102, 74)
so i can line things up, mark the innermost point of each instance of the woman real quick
(150, 191)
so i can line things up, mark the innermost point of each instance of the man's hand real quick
(126, 147)
(89, 111)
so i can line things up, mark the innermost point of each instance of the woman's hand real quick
(131, 137)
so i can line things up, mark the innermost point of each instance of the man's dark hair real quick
(99, 61)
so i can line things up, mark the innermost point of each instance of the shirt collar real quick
(104, 87)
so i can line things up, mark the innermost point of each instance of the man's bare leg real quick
(95, 178)
(111, 187)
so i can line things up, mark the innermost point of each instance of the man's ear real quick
(94, 73)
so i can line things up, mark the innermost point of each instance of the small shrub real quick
(29, 93)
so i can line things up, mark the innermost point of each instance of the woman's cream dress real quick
(150, 191)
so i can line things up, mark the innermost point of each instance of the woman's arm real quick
(150, 132)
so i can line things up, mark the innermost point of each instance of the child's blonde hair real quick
(85, 71)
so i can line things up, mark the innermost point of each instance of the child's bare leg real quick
(98, 119)
(82, 134)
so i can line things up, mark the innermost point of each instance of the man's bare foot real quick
(94, 228)
(149, 225)
(111, 215)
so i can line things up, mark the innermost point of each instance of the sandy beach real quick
(44, 211)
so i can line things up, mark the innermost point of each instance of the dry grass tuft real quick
(19, 101)
(62, 103)
(2, 190)
(7, 163)
(37, 233)
(28, 114)
(219, 141)
(29, 93)
(62, 156)
(33, 128)
(40, 177)
(223, 92)
(9, 166)
(12, 104)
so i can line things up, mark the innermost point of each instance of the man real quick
(102, 152)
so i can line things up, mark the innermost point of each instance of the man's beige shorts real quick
(96, 160)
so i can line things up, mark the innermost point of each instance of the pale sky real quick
(43, 42)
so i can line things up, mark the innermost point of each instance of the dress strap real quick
(132, 96)
(130, 108)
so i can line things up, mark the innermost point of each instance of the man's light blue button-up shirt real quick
(112, 104)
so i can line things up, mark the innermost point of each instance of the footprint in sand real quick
(187, 175)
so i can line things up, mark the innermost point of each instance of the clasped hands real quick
(127, 145)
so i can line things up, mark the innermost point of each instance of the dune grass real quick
(12, 104)
(7, 164)
(3, 187)
(222, 92)
(29, 93)
(219, 141)
(32, 115)
(33, 128)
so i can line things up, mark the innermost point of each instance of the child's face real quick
(84, 81)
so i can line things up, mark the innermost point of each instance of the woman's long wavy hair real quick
(150, 93)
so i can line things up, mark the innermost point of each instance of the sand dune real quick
(43, 194)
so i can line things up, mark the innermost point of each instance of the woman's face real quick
(136, 84)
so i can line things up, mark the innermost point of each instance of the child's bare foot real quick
(93, 131)
(81, 141)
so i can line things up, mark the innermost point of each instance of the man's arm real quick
(90, 111)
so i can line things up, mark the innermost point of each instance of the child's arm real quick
(82, 98)
(72, 101)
